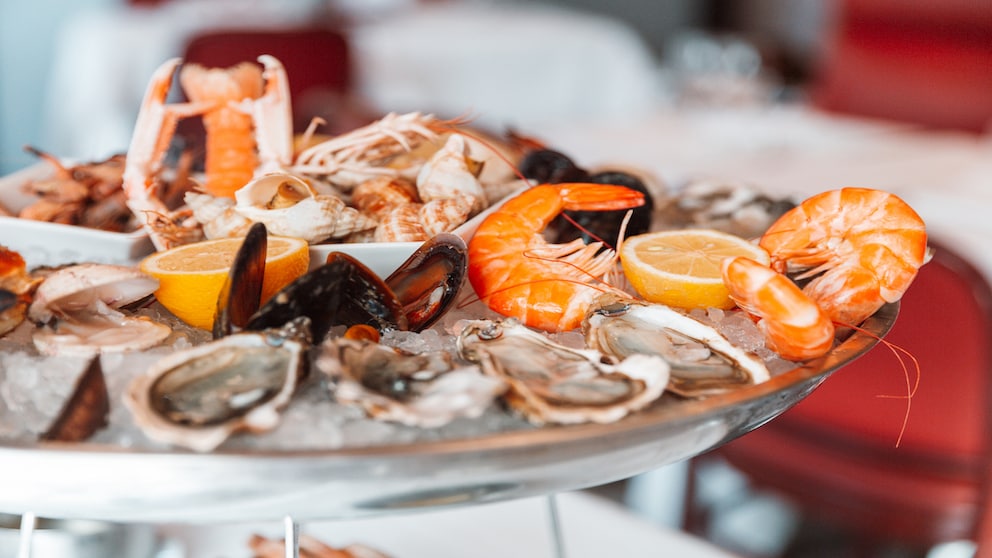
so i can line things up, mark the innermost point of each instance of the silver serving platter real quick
(87, 481)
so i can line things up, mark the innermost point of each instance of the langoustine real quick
(249, 132)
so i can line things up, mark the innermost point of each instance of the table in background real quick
(512, 64)
(592, 527)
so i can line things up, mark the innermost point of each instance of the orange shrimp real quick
(862, 248)
(231, 158)
(546, 286)
(793, 325)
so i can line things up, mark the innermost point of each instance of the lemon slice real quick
(190, 277)
(681, 268)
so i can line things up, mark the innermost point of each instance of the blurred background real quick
(72, 76)
(61, 61)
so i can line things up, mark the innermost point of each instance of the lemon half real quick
(681, 268)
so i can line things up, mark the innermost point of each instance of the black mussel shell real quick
(86, 411)
(428, 281)
(547, 166)
(605, 225)
(241, 293)
(342, 292)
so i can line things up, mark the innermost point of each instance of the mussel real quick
(553, 167)
(343, 291)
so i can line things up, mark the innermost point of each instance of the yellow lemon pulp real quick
(681, 268)
(191, 276)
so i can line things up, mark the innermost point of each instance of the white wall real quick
(27, 34)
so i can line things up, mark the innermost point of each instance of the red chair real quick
(915, 61)
(834, 455)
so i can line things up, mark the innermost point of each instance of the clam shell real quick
(77, 287)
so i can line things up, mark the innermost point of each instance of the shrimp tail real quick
(793, 325)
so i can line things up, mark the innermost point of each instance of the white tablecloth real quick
(591, 528)
(795, 151)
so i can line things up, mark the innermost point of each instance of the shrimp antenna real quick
(912, 384)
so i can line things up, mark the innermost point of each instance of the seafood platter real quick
(411, 314)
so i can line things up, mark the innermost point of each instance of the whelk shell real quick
(289, 206)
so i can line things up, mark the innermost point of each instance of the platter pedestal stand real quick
(76, 483)
(292, 533)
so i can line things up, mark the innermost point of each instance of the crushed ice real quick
(32, 393)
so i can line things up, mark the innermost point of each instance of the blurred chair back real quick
(835, 456)
(910, 60)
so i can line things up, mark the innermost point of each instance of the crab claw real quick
(273, 118)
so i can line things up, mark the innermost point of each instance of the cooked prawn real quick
(547, 286)
(231, 158)
(793, 325)
(862, 248)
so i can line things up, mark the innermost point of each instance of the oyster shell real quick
(290, 206)
(427, 390)
(703, 361)
(552, 383)
(79, 310)
(199, 397)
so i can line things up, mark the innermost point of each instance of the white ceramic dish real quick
(43, 243)
(53, 244)
(384, 257)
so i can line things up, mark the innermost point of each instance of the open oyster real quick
(552, 383)
(426, 390)
(199, 397)
(702, 360)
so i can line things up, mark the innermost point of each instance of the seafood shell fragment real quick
(552, 383)
(79, 307)
(702, 360)
(199, 397)
(290, 206)
(426, 390)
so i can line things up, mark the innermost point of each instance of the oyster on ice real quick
(79, 308)
(198, 397)
(703, 361)
(552, 383)
(427, 390)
